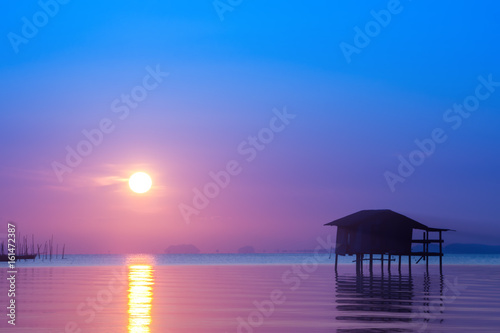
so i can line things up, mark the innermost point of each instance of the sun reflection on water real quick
(140, 297)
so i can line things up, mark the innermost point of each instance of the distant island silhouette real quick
(246, 249)
(466, 248)
(182, 249)
(459, 248)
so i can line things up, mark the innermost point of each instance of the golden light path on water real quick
(140, 298)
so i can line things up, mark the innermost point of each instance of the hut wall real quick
(398, 240)
(378, 238)
(342, 241)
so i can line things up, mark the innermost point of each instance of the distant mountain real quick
(182, 249)
(458, 248)
(472, 249)
(320, 251)
(432, 248)
(246, 249)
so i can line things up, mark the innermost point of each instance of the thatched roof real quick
(386, 216)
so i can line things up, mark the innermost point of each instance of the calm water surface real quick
(143, 296)
(236, 259)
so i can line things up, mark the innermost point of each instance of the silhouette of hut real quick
(383, 232)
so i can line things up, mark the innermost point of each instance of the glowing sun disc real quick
(140, 182)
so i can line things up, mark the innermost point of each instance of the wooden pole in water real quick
(427, 251)
(399, 264)
(64, 245)
(25, 245)
(409, 264)
(389, 263)
(371, 262)
(361, 262)
(424, 248)
(51, 246)
(382, 263)
(440, 252)
(357, 264)
(336, 260)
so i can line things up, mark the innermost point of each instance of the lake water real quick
(236, 259)
(250, 293)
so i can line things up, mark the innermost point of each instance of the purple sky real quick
(96, 66)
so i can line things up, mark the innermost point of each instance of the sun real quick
(140, 182)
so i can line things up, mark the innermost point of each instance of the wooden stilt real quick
(427, 252)
(382, 263)
(440, 252)
(336, 261)
(362, 258)
(389, 263)
(357, 264)
(399, 265)
(371, 263)
(356, 260)
(409, 264)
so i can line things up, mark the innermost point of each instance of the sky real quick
(303, 112)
